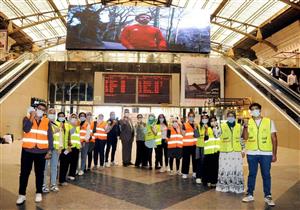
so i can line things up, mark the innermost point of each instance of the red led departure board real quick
(154, 89)
(119, 88)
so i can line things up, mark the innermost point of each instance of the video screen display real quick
(119, 88)
(153, 89)
(99, 27)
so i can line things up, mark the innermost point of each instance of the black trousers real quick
(164, 145)
(74, 161)
(149, 156)
(160, 152)
(141, 154)
(158, 156)
(187, 153)
(111, 143)
(210, 168)
(177, 163)
(27, 159)
(99, 151)
(200, 162)
(65, 160)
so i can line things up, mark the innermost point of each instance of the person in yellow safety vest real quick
(261, 145)
(174, 142)
(152, 137)
(230, 177)
(86, 139)
(202, 132)
(101, 128)
(58, 129)
(37, 146)
(189, 146)
(211, 151)
(70, 153)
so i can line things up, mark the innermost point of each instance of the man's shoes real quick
(269, 200)
(248, 198)
(38, 197)
(21, 199)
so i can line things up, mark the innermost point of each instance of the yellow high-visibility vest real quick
(230, 138)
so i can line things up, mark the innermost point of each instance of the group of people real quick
(215, 150)
(292, 80)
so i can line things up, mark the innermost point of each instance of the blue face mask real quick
(61, 119)
(151, 119)
(231, 119)
(112, 117)
(191, 119)
(82, 119)
(255, 113)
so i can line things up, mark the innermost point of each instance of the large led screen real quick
(98, 27)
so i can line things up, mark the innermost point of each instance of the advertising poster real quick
(3, 40)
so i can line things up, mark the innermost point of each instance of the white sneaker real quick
(248, 198)
(54, 188)
(198, 181)
(80, 173)
(184, 176)
(21, 199)
(171, 173)
(168, 169)
(162, 170)
(45, 189)
(194, 175)
(107, 164)
(179, 173)
(38, 197)
(269, 201)
(72, 178)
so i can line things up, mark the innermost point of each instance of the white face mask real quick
(161, 120)
(175, 124)
(39, 113)
(61, 119)
(73, 121)
(51, 117)
(255, 113)
(100, 118)
(204, 121)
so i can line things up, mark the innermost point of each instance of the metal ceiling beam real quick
(219, 8)
(53, 45)
(240, 31)
(292, 4)
(35, 23)
(58, 12)
(33, 15)
(168, 3)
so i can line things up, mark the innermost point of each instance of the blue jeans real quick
(265, 168)
(84, 152)
(53, 168)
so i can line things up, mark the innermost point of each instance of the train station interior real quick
(127, 79)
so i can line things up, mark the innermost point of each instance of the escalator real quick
(284, 98)
(12, 76)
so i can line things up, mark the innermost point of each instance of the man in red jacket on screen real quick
(143, 36)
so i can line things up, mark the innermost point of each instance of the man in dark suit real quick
(126, 135)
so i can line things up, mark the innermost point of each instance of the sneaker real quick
(184, 176)
(38, 197)
(63, 184)
(162, 170)
(248, 198)
(72, 178)
(269, 201)
(21, 199)
(179, 173)
(54, 188)
(45, 189)
(168, 169)
(194, 175)
(171, 173)
(80, 173)
(107, 164)
(198, 181)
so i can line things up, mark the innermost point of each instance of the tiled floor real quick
(131, 188)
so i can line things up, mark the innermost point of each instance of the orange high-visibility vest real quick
(37, 136)
(188, 138)
(175, 140)
(83, 132)
(100, 131)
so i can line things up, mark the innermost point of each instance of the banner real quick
(3, 40)
(202, 79)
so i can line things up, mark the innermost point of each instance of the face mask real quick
(82, 119)
(191, 119)
(204, 121)
(231, 119)
(51, 117)
(151, 118)
(88, 117)
(73, 121)
(175, 124)
(126, 114)
(61, 119)
(161, 120)
(112, 116)
(255, 113)
(39, 113)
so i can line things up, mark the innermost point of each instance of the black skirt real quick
(175, 153)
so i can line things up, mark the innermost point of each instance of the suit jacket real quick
(127, 130)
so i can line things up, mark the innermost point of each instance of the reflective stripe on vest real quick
(56, 143)
(100, 131)
(83, 132)
(188, 138)
(259, 136)
(175, 140)
(37, 136)
(230, 139)
(149, 136)
(211, 145)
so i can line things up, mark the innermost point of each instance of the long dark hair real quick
(201, 117)
(164, 122)
(209, 121)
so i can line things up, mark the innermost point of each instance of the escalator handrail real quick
(39, 59)
(28, 56)
(271, 90)
(273, 80)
